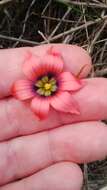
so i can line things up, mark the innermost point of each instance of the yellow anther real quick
(47, 86)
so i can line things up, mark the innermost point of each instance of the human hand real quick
(47, 153)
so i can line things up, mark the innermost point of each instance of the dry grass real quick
(36, 22)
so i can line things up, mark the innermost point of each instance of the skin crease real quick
(44, 160)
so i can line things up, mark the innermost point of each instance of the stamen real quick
(40, 91)
(48, 93)
(46, 86)
(45, 79)
(39, 83)
(54, 88)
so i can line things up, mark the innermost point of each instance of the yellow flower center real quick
(47, 86)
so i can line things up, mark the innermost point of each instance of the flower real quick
(47, 85)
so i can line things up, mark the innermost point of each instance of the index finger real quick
(12, 60)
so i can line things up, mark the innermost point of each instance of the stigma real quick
(47, 86)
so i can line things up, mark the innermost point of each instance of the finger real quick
(17, 118)
(12, 60)
(82, 142)
(62, 176)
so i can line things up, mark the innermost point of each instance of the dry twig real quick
(89, 23)
(5, 1)
(97, 36)
(68, 38)
(58, 25)
(55, 19)
(19, 40)
(103, 50)
(101, 73)
(86, 177)
(88, 4)
(25, 20)
(86, 28)
(104, 188)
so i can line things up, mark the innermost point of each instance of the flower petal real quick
(53, 51)
(39, 66)
(31, 67)
(22, 89)
(40, 107)
(64, 102)
(69, 82)
(52, 64)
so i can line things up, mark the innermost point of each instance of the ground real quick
(35, 22)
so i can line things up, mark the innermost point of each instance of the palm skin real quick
(44, 154)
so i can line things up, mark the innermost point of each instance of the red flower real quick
(47, 84)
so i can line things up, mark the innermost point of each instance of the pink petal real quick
(53, 52)
(38, 66)
(22, 89)
(65, 103)
(52, 64)
(41, 107)
(31, 67)
(69, 82)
